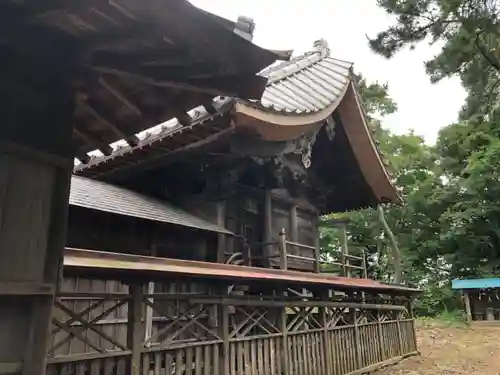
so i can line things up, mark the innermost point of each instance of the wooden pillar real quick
(411, 312)
(400, 333)
(294, 224)
(225, 338)
(283, 250)
(148, 319)
(285, 350)
(468, 313)
(35, 168)
(268, 226)
(381, 339)
(136, 327)
(327, 345)
(357, 343)
(221, 238)
(317, 254)
(365, 268)
(344, 251)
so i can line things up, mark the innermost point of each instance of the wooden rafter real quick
(120, 96)
(132, 140)
(101, 146)
(223, 86)
(182, 116)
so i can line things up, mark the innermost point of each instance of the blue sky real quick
(293, 24)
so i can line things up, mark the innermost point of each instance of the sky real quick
(294, 24)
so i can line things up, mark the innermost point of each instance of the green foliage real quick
(449, 225)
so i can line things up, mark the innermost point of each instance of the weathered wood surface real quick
(35, 165)
(198, 334)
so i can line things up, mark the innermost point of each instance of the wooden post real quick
(149, 310)
(400, 334)
(135, 328)
(365, 269)
(221, 238)
(412, 316)
(359, 359)
(294, 224)
(468, 313)
(381, 340)
(282, 250)
(225, 338)
(327, 347)
(317, 254)
(284, 332)
(346, 271)
(268, 227)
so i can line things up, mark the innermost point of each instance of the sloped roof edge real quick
(101, 196)
(365, 150)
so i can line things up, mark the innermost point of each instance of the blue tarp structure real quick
(476, 283)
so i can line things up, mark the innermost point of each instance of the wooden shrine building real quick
(195, 250)
(481, 299)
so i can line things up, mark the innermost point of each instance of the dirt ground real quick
(452, 350)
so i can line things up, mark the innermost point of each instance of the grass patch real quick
(443, 319)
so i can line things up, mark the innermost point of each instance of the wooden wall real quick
(91, 229)
(244, 213)
(485, 305)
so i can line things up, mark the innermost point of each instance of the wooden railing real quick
(221, 335)
(344, 265)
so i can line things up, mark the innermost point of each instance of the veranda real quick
(193, 321)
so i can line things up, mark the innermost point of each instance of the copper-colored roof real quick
(152, 267)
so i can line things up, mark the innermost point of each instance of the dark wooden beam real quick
(209, 106)
(120, 96)
(182, 116)
(245, 86)
(132, 140)
(105, 148)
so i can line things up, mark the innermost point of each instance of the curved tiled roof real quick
(307, 83)
(300, 96)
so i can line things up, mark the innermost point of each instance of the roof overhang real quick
(100, 196)
(363, 145)
(279, 126)
(269, 125)
(89, 261)
(131, 64)
(489, 283)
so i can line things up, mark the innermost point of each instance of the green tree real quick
(469, 32)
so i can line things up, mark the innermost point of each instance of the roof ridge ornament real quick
(245, 27)
(321, 45)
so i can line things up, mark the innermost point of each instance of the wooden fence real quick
(199, 334)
